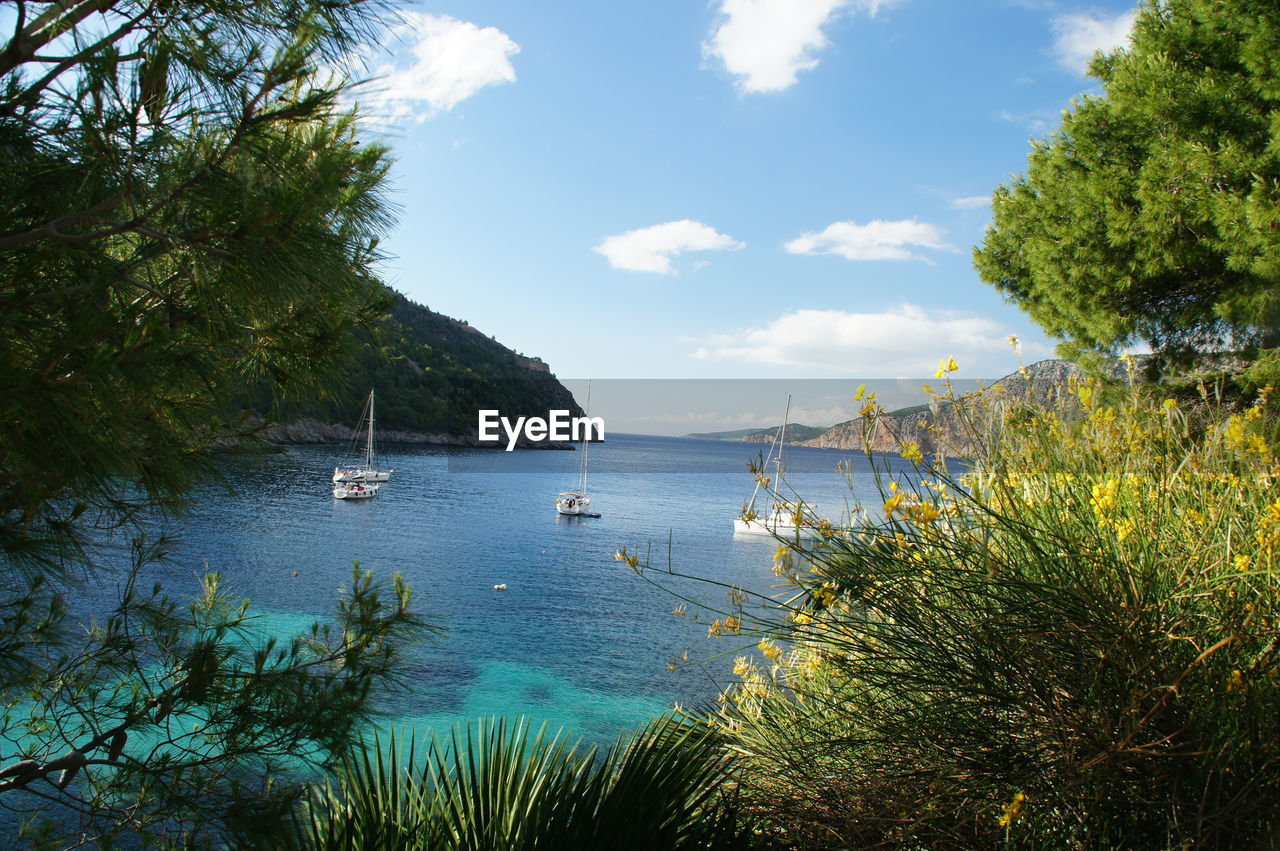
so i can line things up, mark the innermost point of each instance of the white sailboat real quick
(366, 470)
(576, 503)
(355, 490)
(777, 516)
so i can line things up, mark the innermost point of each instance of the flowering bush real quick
(1074, 644)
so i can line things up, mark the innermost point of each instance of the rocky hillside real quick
(942, 430)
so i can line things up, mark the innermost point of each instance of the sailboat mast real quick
(775, 447)
(782, 435)
(586, 446)
(368, 447)
(779, 472)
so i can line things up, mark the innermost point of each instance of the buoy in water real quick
(502, 587)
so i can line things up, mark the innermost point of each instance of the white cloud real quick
(972, 202)
(1037, 120)
(903, 341)
(436, 62)
(876, 240)
(651, 249)
(766, 43)
(1079, 36)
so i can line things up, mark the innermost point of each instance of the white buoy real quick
(502, 587)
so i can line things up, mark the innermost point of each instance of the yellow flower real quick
(862, 389)
(1012, 811)
(741, 666)
(946, 365)
(1104, 497)
(771, 650)
(1085, 392)
(1236, 682)
(923, 512)
(911, 451)
(892, 504)
(1234, 433)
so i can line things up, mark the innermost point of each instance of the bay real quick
(578, 639)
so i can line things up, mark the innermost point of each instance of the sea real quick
(578, 639)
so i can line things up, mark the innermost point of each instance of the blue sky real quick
(725, 189)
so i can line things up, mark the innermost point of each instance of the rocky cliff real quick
(942, 428)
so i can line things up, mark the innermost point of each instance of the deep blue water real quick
(578, 639)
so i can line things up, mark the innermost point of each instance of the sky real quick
(746, 189)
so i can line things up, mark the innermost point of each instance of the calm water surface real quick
(578, 639)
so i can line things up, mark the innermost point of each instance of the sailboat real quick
(576, 503)
(777, 516)
(355, 490)
(366, 471)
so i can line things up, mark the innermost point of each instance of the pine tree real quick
(184, 207)
(1153, 213)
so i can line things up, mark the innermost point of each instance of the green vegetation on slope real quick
(431, 374)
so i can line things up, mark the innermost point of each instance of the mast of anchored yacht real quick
(774, 459)
(368, 447)
(586, 447)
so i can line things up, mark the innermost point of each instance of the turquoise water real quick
(578, 640)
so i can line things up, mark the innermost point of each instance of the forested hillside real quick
(431, 374)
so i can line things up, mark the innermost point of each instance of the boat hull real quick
(355, 491)
(574, 506)
(780, 527)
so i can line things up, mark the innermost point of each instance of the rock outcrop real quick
(942, 428)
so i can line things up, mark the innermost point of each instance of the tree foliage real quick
(183, 210)
(1153, 212)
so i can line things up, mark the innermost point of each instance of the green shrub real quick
(1074, 645)
(498, 785)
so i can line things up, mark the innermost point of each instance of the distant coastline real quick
(932, 431)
